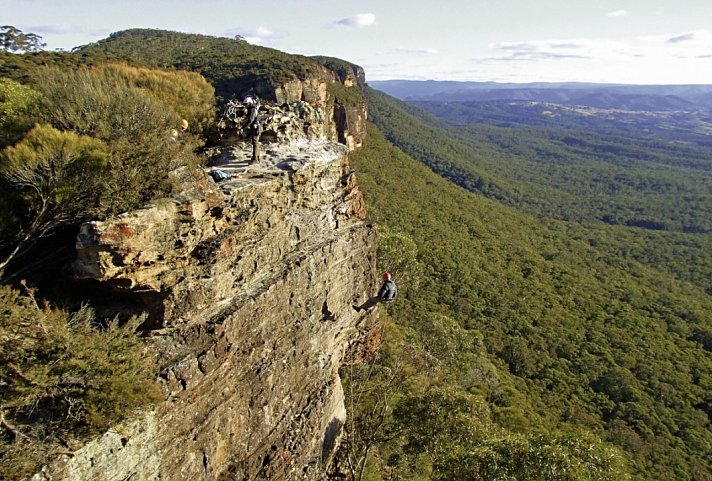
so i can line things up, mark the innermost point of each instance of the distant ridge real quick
(610, 96)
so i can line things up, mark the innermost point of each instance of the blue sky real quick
(625, 41)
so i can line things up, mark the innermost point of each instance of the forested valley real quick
(532, 320)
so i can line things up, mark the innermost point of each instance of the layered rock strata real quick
(330, 105)
(254, 283)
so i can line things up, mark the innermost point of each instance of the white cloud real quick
(541, 50)
(516, 46)
(685, 55)
(694, 38)
(418, 51)
(259, 36)
(618, 13)
(358, 21)
(264, 32)
(565, 45)
(662, 46)
(685, 37)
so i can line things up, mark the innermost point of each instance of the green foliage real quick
(351, 97)
(96, 103)
(63, 378)
(454, 418)
(458, 348)
(233, 66)
(415, 424)
(372, 387)
(131, 121)
(113, 150)
(397, 254)
(187, 93)
(341, 68)
(463, 443)
(14, 40)
(19, 111)
(571, 457)
(52, 169)
(579, 176)
(56, 180)
(550, 326)
(22, 68)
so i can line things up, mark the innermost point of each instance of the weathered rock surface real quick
(307, 108)
(252, 285)
(286, 123)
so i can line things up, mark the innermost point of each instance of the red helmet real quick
(386, 276)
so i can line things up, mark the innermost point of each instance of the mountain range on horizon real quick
(606, 96)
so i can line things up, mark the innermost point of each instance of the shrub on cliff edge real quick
(62, 378)
(188, 93)
(19, 110)
(54, 179)
(134, 123)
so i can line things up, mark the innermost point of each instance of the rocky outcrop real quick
(252, 286)
(340, 98)
(285, 123)
(331, 106)
(351, 122)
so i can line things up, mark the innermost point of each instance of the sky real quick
(611, 41)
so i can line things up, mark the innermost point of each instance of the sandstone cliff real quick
(248, 286)
(329, 102)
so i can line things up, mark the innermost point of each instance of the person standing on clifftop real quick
(253, 128)
(386, 293)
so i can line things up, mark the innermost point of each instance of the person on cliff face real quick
(386, 293)
(253, 127)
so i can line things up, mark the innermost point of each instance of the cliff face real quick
(249, 288)
(337, 96)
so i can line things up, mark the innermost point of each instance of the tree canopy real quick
(14, 40)
(573, 350)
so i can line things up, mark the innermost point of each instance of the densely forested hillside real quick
(562, 173)
(645, 191)
(522, 331)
